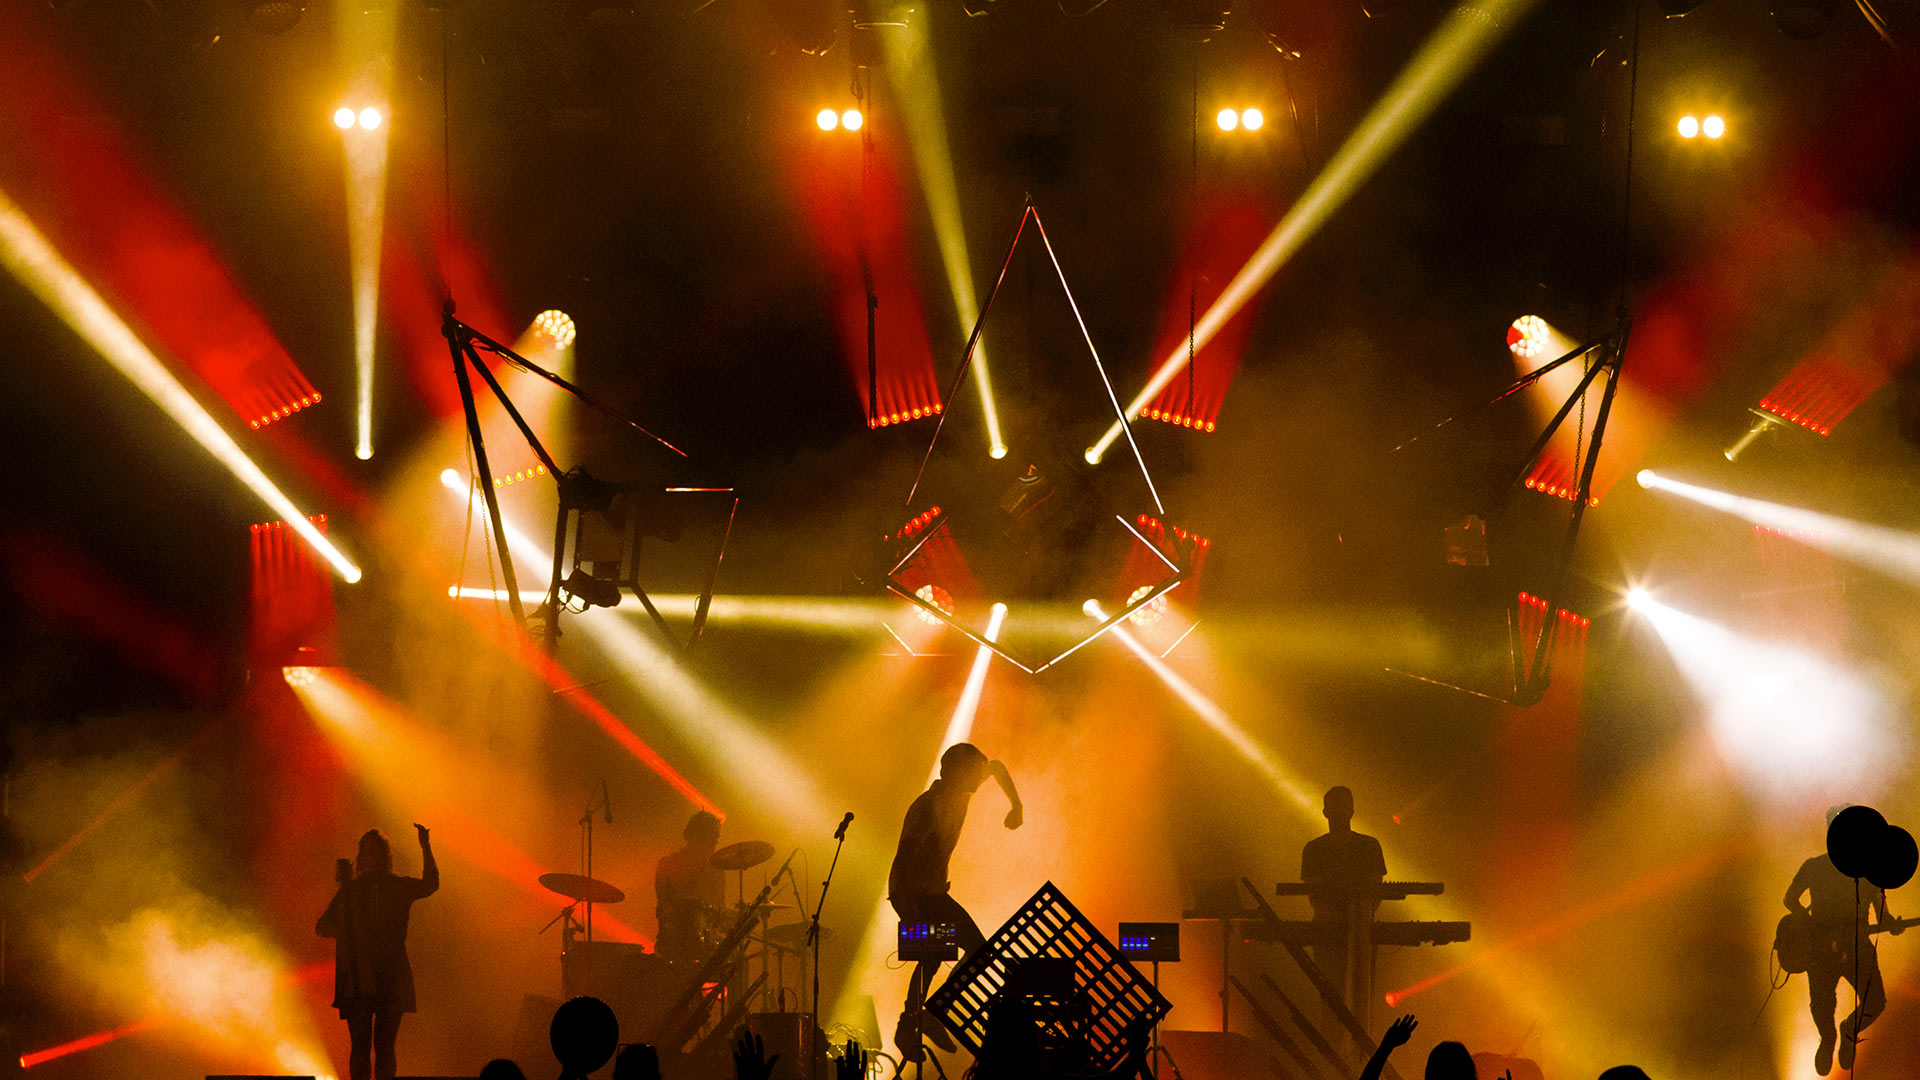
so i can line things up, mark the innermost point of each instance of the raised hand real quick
(1014, 817)
(1399, 1031)
(852, 1064)
(420, 831)
(750, 1060)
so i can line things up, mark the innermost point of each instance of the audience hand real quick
(750, 1060)
(1399, 1032)
(852, 1064)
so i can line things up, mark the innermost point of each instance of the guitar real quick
(1797, 943)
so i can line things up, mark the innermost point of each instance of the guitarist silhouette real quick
(1830, 938)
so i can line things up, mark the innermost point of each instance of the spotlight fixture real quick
(343, 118)
(1252, 119)
(1639, 599)
(1527, 336)
(1148, 613)
(590, 591)
(1763, 422)
(1689, 126)
(1713, 126)
(938, 597)
(1229, 120)
(554, 327)
(827, 119)
(852, 120)
(369, 118)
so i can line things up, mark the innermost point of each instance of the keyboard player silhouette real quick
(1343, 871)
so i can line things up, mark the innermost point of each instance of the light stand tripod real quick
(464, 344)
(1602, 354)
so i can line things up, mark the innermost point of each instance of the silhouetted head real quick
(703, 829)
(375, 855)
(1449, 1060)
(1834, 811)
(1625, 1072)
(963, 764)
(501, 1069)
(1338, 806)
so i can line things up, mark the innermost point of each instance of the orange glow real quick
(1645, 887)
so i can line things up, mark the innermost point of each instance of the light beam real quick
(28, 256)
(1889, 551)
(1466, 35)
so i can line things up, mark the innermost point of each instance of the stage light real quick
(1713, 127)
(591, 591)
(369, 118)
(938, 597)
(343, 118)
(1149, 613)
(555, 328)
(1639, 599)
(1228, 120)
(1462, 39)
(852, 120)
(31, 259)
(1689, 126)
(1252, 119)
(827, 119)
(1528, 335)
(999, 451)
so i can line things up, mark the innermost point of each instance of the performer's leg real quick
(359, 1043)
(386, 1035)
(1823, 981)
(1873, 1002)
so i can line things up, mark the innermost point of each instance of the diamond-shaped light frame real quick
(1177, 571)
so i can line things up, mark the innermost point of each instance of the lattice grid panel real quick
(1111, 998)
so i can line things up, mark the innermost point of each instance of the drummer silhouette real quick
(689, 891)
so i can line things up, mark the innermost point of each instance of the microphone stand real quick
(813, 942)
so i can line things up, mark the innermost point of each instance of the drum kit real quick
(770, 945)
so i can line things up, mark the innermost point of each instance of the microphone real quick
(606, 804)
(841, 832)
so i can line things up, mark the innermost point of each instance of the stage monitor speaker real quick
(1217, 1055)
(785, 1034)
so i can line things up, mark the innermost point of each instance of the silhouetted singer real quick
(372, 980)
(917, 884)
(1839, 933)
(689, 892)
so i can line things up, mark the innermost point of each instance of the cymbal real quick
(740, 856)
(592, 890)
(793, 935)
(766, 906)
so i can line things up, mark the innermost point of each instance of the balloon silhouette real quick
(1853, 838)
(1893, 864)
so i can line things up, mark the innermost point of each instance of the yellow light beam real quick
(1284, 782)
(1467, 34)
(29, 257)
(917, 86)
(365, 35)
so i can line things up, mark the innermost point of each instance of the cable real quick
(1626, 193)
